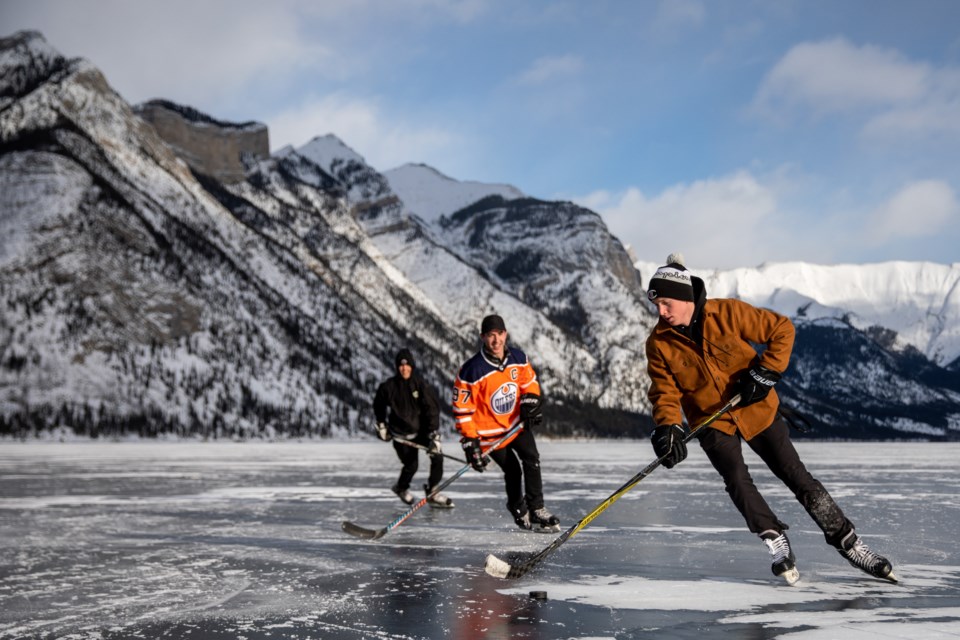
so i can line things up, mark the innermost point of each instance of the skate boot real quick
(403, 494)
(784, 562)
(523, 520)
(862, 557)
(438, 501)
(544, 519)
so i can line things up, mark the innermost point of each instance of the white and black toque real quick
(671, 281)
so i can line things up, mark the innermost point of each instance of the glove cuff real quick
(763, 376)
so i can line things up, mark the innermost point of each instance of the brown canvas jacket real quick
(685, 380)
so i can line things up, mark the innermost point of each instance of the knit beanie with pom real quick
(671, 281)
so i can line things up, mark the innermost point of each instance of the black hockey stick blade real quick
(362, 532)
(502, 569)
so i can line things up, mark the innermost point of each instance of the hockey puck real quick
(538, 595)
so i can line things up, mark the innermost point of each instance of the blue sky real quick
(735, 132)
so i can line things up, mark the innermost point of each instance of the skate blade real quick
(891, 577)
(546, 529)
(792, 576)
(441, 506)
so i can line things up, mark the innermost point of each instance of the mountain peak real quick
(197, 117)
(27, 62)
(430, 194)
(326, 149)
(211, 147)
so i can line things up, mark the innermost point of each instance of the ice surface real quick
(230, 540)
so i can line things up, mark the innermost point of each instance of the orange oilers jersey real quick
(486, 394)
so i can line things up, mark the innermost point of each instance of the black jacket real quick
(408, 406)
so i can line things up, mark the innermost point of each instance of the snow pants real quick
(520, 462)
(409, 457)
(774, 447)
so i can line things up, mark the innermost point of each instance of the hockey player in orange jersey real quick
(494, 390)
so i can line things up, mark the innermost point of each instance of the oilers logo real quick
(503, 399)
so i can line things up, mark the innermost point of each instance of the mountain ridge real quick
(141, 295)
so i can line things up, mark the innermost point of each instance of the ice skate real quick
(862, 557)
(784, 562)
(523, 521)
(542, 520)
(404, 494)
(438, 501)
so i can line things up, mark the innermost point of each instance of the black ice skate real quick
(523, 520)
(784, 562)
(862, 557)
(543, 520)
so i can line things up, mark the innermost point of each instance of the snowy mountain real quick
(916, 303)
(430, 194)
(463, 286)
(147, 288)
(134, 300)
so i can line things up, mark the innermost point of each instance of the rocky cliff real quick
(211, 147)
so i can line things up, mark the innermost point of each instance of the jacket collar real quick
(492, 359)
(695, 329)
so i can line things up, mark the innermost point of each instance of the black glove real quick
(530, 409)
(668, 441)
(754, 384)
(434, 449)
(382, 432)
(473, 452)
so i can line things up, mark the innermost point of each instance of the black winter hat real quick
(671, 281)
(492, 323)
(405, 357)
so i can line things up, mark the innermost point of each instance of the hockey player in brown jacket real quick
(699, 356)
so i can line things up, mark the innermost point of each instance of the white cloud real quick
(195, 52)
(724, 222)
(893, 95)
(919, 209)
(383, 142)
(938, 113)
(741, 220)
(835, 75)
(548, 68)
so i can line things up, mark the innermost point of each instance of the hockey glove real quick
(530, 409)
(382, 432)
(755, 383)
(668, 441)
(434, 449)
(473, 452)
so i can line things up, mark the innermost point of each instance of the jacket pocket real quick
(732, 355)
(687, 374)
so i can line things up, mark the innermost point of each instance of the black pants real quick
(409, 457)
(774, 447)
(520, 462)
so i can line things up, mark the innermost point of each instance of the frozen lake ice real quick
(243, 540)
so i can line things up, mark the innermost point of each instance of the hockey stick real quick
(417, 445)
(502, 569)
(374, 534)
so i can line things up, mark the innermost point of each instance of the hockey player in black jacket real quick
(406, 408)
